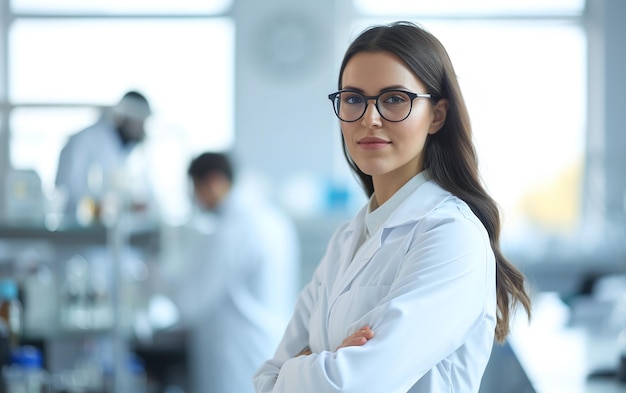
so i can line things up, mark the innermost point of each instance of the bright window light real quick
(185, 67)
(122, 6)
(470, 8)
(525, 86)
(39, 135)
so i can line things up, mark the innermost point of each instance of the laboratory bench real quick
(140, 232)
(81, 287)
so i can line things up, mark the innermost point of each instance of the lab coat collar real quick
(413, 208)
(230, 203)
(420, 202)
(375, 219)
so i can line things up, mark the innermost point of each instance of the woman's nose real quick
(371, 117)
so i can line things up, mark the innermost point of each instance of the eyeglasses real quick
(392, 105)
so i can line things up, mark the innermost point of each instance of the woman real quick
(411, 293)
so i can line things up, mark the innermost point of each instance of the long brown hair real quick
(449, 154)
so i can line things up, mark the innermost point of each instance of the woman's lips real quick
(371, 143)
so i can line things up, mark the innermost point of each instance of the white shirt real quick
(424, 282)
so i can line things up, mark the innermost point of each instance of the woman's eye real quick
(353, 99)
(394, 99)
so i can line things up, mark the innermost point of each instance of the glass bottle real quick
(11, 311)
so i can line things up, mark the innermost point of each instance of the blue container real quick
(26, 374)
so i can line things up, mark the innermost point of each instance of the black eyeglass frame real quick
(333, 96)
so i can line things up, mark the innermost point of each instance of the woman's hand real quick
(306, 351)
(357, 338)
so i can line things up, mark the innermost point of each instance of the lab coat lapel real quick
(426, 198)
(350, 241)
(355, 262)
(361, 259)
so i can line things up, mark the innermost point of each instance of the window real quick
(61, 69)
(527, 108)
(524, 81)
(166, 7)
(468, 9)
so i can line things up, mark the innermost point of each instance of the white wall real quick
(285, 68)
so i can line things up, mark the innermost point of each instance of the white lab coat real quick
(97, 145)
(425, 283)
(239, 292)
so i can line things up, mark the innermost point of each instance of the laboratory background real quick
(83, 288)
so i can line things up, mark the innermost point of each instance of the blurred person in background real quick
(240, 283)
(96, 157)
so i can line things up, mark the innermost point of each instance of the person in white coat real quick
(411, 293)
(241, 282)
(92, 157)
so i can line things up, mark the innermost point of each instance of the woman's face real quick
(390, 152)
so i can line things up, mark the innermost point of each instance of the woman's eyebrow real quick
(356, 89)
(392, 87)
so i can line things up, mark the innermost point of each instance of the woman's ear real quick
(440, 111)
